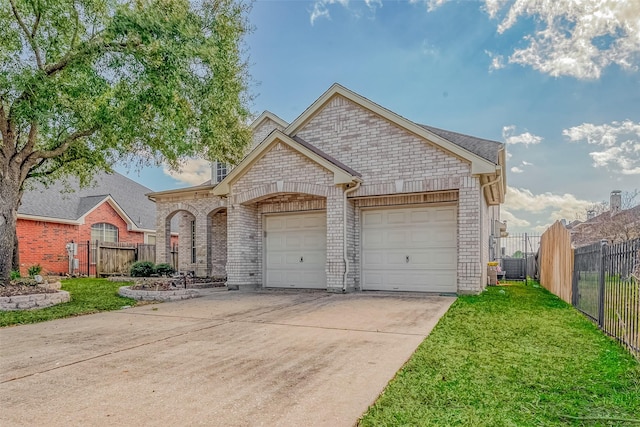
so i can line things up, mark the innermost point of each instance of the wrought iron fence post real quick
(526, 260)
(601, 280)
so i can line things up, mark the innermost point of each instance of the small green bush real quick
(34, 270)
(165, 269)
(15, 274)
(142, 269)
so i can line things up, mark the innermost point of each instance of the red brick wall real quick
(44, 242)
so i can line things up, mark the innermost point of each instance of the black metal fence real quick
(518, 255)
(606, 288)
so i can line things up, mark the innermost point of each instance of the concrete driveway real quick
(226, 359)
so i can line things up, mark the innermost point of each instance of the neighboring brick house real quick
(349, 196)
(115, 209)
(614, 225)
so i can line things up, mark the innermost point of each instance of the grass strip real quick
(513, 356)
(87, 296)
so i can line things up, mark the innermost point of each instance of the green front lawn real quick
(513, 356)
(87, 296)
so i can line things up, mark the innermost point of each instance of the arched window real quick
(104, 232)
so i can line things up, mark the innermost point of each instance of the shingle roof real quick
(325, 156)
(60, 203)
(484, 148)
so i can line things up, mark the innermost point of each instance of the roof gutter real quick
(482, 187)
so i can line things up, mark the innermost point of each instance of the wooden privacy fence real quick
(114, 258)
(95, 258)
(556, 261)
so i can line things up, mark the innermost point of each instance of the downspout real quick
(344, 239)
(482, 187)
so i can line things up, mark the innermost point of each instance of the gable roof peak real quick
(268, 115)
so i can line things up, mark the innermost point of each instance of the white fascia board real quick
(340, 176)
(268, 115)
(131, 225)
(49, 219)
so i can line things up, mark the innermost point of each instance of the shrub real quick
(34, 270)
(165, 269)
(15, 274)
(142, 269)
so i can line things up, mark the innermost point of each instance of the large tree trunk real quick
(15, 265)
(9, 200)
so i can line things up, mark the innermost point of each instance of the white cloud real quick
(576, 38)
(511, 219)
(516, 169)
(192, 172)
(525, 163)
(526, 138)
(556, 206)
(321, 8)
(620, 142)
(497, 61)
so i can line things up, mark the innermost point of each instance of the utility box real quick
(492, 273)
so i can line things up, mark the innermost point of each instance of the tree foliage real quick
(86, 83)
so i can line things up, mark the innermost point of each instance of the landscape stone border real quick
(28, 302)
(172, 295)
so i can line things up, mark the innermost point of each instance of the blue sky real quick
(559, 85)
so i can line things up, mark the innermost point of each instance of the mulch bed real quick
(155, 286)
(15, 290)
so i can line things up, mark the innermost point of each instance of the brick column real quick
(202, 266)
(335, 235)
(244, 257)
(469, 245)
(163, 237)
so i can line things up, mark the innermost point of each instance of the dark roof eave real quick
(326, 156)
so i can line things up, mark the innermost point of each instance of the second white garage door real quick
(410, 249)
(296, 250)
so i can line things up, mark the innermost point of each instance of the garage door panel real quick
(314, 241)
(292, 241)
(395, 218)
(373, 238)
(372, 218)
(372, 258)
(420, 217)
(411, 249)
(296, 251)
(396, 237)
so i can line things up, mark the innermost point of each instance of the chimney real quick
(615, 203)
(591, 214)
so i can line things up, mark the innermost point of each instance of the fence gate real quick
(517, 255)
(587, 268)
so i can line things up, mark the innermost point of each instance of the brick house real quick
(616, 224)
(115, 209)
(349, 196)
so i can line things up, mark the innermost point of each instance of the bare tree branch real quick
(97, 47)
(27, 33)
(38, 13)
(31, 141)
(64, 145)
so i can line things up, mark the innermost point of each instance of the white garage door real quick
(410, 249)
(296, 248)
